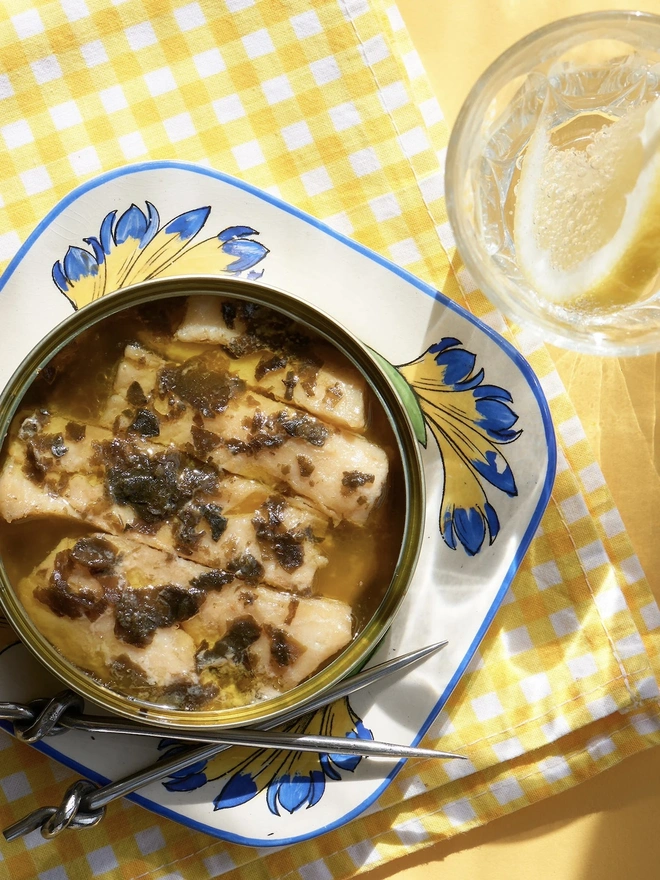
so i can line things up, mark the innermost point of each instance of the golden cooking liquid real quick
(361, 559)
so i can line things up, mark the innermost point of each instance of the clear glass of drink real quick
(553, 182)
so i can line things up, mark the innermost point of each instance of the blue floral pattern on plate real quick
(486, 504)
(291, 780)
(136, 247)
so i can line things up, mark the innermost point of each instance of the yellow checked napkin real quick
(327, 106)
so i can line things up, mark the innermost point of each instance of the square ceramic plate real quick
(479, 414)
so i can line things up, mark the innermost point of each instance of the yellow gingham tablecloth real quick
(327, 106)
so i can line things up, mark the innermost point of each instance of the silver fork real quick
(84, 803)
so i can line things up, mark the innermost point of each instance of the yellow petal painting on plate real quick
(135, 247)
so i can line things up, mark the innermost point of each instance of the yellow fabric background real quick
(91, 85)
(605, 828)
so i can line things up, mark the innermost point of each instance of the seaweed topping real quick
(274, 508)
(36, 464)
(40, 454)
(97, 554)
(242, 345)
(126, 674)
(186, 535)
(139, 613)
(143, 528)
(75, 432)
(145, 423)
(247, 568)
(354, 480)
(188, 519)
(269, 363)
(305, 427)
(333, 394)
(238, 447)
(290, 382)
(284, 650)
(160, 321)
(309, 371)
(234, 646)
(62, 600)
(188, 695)
(99, 557)
(229, 314)
(287, 546)
(212, 513)
(33, 424)
(204, 441)
(271, 432)
(261, 327)
(135, 395)
(215, 579)
(294, 602)
(250, 312)
(265, 434)
(176, 409)
(155, 486)
(305, 465)
(205, 388)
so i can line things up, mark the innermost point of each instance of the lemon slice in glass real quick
(587, 217)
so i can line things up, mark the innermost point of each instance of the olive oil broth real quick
(361, 558)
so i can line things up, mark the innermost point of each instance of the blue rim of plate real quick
(426, 289)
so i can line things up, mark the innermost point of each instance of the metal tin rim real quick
(361, 647)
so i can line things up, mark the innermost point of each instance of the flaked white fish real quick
(340, 472)
(215, 518)
(141, 619)
(322, 385)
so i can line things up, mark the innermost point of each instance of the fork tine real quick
(260, 739)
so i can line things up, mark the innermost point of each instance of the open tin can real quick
(152, 295)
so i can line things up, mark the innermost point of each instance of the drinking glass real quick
(590, 69)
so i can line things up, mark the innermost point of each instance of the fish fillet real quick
(142, 619)
(246, 433)
(83, 626)
(320, 383)
(295, 635)
(215, 518)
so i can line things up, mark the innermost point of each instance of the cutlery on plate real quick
(84, 803)
(245, 736)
